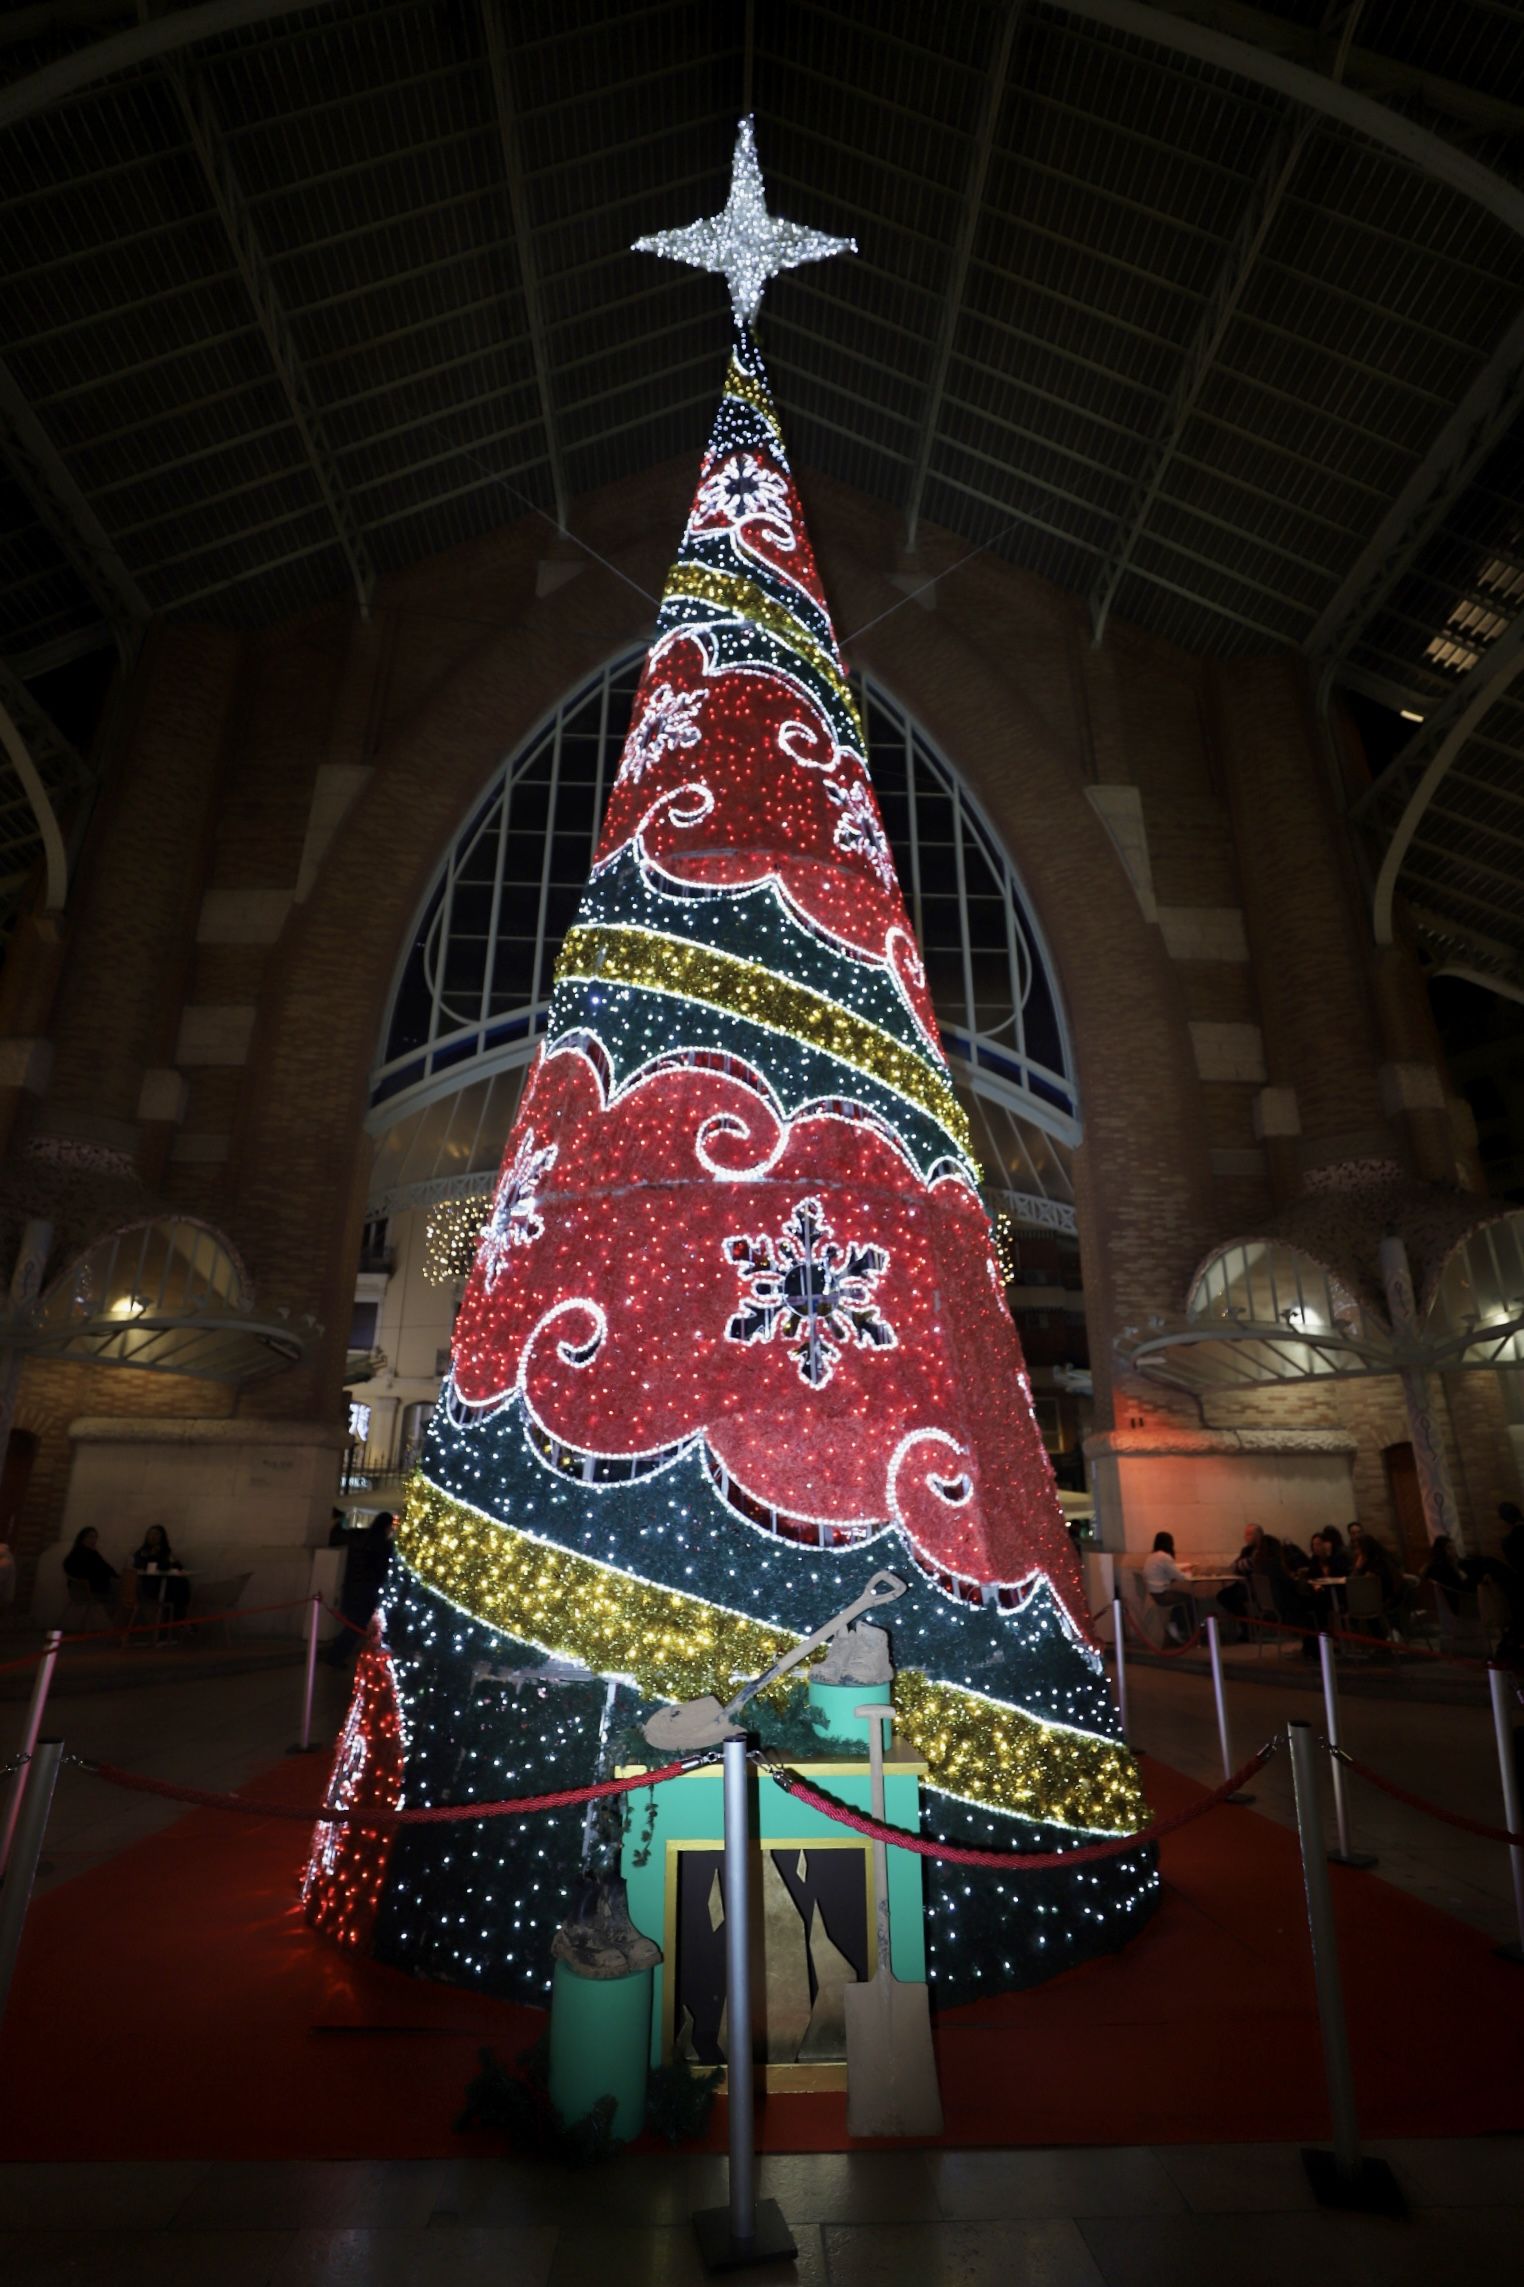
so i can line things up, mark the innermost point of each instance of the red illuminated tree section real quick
(347, 1866)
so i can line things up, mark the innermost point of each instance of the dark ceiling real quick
(1213, 314)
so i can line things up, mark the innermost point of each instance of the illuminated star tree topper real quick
(743, 242)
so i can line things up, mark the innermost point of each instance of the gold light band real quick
(676, 965)
(676, 1647)
(740, 384)
(740, 598)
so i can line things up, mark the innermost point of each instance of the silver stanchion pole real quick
(1214, 1646)
(1117, 1624)
(1343, 2178)
(314, 1616)
(40, 1683)
(16, 1889)
(1345, 1855)
(747, 2230)
(1499, 1681)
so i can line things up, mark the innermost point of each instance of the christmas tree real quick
(736, 1337)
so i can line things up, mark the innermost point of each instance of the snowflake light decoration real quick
(817, 1295)
(743, 487)
(743, 242)
(514, 1221)
(858, 828)
(670, 721)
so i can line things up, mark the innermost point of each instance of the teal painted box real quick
(812, 1911)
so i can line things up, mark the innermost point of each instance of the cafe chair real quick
(83, 1611)
(150, 1610)
(1366, 1606)
(1262, 1597)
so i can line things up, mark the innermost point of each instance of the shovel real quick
(891, 2072)
(703, 1722)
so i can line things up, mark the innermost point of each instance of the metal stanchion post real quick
(1499, 1682)
(1214, 1646)
(1343, 2178)
(40, 1684)
(314, 1614)
(1117, 1623)
(747, 2230)
(1345, 1855)
(16, 1889)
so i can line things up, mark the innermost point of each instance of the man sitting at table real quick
(1169, 1588)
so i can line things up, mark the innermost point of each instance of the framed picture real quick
(813, 1934)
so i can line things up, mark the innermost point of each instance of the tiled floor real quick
(1446, 1753)
(1166, 2218)
(1073, 2218)
(214, 1731)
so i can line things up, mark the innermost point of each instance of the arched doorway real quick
(471, 991)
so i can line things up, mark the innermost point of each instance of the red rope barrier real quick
(1162, 1651)
(1016, 1861)
(1402, 1651)
(126, 1628)
(425, 1814)
(195, 1620)
(357, 1627)
(1419, 1803)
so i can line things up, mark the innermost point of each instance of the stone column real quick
(1420, 1397)
(26, 1286)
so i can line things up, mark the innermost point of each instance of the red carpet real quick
(172, 2004)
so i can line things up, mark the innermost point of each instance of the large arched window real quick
(473, 987)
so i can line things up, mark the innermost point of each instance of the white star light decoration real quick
(745, 243)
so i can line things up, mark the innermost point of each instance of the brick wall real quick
(51, 1396)
(284, 798)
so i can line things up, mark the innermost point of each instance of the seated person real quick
(1369, 1560)
(1168, 1587)
(1443, 1569)
(85, 1564)
(161, 1581)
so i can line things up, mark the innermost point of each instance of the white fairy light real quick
(743, 242)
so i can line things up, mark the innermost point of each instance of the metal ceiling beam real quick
(997, 74)
(1278, 162)
(1451, 893)
(144, 43)
(39, 469)
(61, 650)
(1464, 862)
(35, 745)
(1364, 68)
(1167, 24)
(1449, 724)
(1469, 825)
(1383, 690)
(529, 274)
(205, 130)
(1478, 424)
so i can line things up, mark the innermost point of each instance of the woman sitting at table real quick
(1169, 1588)
(85, 1564)
(1369, 1560)
(161, 1581)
